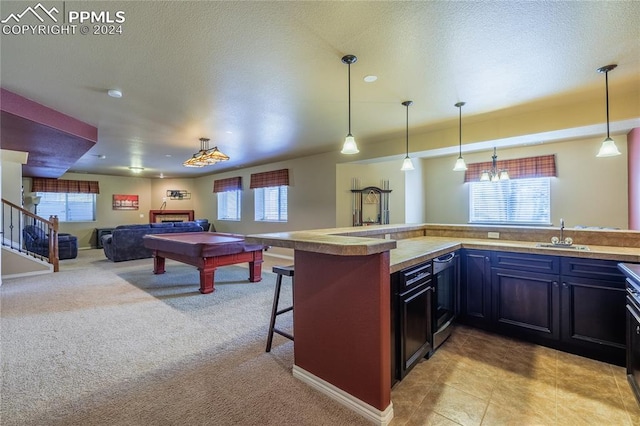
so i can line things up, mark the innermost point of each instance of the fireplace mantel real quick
(156, 216)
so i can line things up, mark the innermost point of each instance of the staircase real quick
(14, 219)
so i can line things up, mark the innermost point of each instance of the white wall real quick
(588, 191)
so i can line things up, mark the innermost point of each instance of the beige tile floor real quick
(478, 378)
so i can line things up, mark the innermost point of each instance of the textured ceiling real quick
(264, 80)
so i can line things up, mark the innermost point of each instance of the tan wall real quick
(370, 175)
(311, 196)
(588, 191)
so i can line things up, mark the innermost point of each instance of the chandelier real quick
(206, 156)
(494, 175)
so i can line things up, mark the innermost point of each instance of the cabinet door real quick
(633, 348)
(475, 292)
(526, 304)
(593, 316)
(415, 327)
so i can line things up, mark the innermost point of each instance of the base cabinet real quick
(573, 304)
(526, 303)
(475, 293)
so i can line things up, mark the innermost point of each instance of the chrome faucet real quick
(561, 229)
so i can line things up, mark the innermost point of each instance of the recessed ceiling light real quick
(229, 132)
(167, 155)
(114, 93)
(136, 169)
(161, 175)
(370, 78)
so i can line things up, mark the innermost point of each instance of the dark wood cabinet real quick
(415, 330)
(411, 317)
(475, 288)
(573, 304)
(526, 304)
(593, 309)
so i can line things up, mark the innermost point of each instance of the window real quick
(69, 207)
(229, 205)
(515, 202)
(271, 204)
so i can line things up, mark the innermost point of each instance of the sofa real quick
(36, 240)
(125, 242)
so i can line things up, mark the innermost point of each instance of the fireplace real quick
(158, 216)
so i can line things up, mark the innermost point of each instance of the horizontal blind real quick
(271, 204)
(229, 205)
(522, 201)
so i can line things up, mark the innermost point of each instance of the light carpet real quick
(103, 343)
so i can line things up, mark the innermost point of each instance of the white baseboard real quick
(382, 418)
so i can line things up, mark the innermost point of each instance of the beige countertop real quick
(359, 241)
(412, 251)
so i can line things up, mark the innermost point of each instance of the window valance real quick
(519, 168)
(268, 179)
(65, 185)
(229, 184)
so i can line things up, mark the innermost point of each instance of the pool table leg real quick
(255, 271)
(206, 280)
(158, 264)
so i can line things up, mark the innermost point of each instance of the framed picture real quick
(125, 202)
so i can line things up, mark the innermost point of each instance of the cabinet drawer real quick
(591, 268)
(525, 262)
(412, 277)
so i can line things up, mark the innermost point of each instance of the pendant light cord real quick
(460, 128)
(349, 86)
(606, 80)
(407, 131)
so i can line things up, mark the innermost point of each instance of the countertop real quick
(362, 241)
(412, 251)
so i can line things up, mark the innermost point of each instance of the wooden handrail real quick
(21, 217)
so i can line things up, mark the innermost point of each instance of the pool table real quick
(206, 251)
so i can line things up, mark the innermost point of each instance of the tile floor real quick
(478, 378)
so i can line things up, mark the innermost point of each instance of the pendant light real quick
(349, 146)
(460, 164)
(494, 175)
(407, 164)
(608, 148)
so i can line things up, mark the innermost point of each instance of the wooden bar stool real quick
(281, 271)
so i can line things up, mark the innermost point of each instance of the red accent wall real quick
(342, 322)
(633, 152)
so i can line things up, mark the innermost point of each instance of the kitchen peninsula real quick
(342, 294)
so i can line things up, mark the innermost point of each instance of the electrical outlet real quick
(387, 236)
(495, 235)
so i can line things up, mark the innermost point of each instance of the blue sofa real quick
(36, 240)
(125, 242)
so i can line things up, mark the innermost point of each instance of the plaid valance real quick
(519, 168)
(64, 185)
(267, 179)
(229, 184)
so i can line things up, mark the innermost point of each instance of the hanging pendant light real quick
(494, 175)
(460, 164)
(349, 146)
(608, 148)
(206, 156)
(407, 164)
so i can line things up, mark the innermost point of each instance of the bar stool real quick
(281, 271)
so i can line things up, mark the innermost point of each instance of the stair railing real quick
(15, 219)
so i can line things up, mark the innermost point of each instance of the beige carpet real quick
(104, 343)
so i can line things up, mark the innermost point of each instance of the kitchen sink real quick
(563, 246)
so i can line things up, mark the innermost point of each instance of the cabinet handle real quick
(637, 329)
(555, 283)
(565, 285)
(486, 259)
